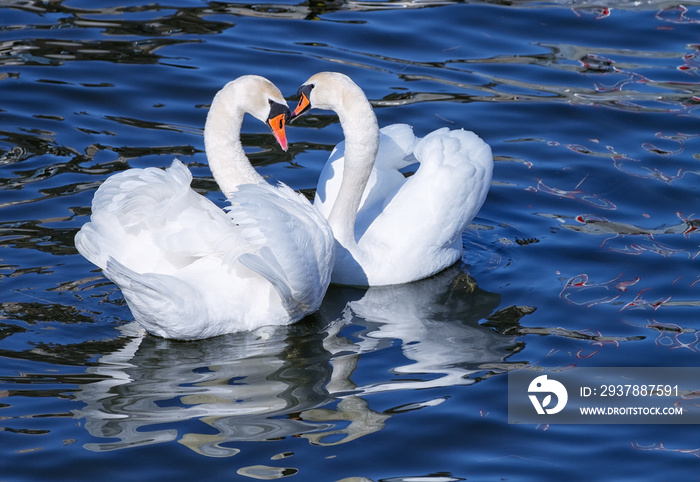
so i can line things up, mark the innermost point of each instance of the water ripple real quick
(585, 251)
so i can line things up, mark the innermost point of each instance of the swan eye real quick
(276, 109)
(305, 90)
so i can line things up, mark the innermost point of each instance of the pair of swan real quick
(189, 270)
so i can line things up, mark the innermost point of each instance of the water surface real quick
(585, 253)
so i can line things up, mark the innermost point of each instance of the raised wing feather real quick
(298, 242)
(190, 270)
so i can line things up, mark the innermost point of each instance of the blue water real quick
(586, 252)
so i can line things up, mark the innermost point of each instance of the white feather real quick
(392, 229)
(190, 270)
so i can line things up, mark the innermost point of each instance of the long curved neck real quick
(222, 141)
(361, 144)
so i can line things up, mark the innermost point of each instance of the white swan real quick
(391, 229)
(189, 270)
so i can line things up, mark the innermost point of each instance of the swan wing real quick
(205, 299)
(457, 169)
(151, 221)
(190, 270)
(295, 243)
(420, 223)
(396, 144)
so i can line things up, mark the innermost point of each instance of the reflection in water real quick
(627, 238)
(593, 218)
(601, 226)
(297, 380)
(437, 323)
(232, 383)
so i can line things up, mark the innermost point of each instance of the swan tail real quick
(157, 301)
(87, 242)
(298, 243)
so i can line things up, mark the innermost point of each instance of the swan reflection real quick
(295, 380)
(235, 384)
(436, 322)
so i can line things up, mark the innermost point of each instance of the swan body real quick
(191, 270)
(391, 229)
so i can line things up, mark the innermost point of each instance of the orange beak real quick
(276, 125)
(303, 105)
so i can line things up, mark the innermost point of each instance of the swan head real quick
(263, 100)
(329, 91)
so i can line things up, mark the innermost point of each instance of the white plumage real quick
(190, 270)
(391, 229)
